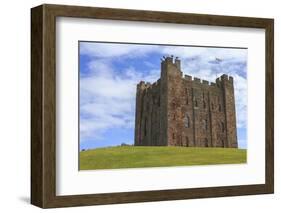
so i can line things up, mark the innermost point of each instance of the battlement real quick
(171, 60)
(197, 80)
(146, 85)
(217, 83)
(176, 62)
(225, 77)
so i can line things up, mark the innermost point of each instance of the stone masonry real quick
(177, 110)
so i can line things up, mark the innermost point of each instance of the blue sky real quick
(109, 73)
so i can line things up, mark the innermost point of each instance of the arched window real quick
(186, 121)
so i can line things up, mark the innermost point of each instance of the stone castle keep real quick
(181, 111)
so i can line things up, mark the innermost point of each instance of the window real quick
(186, 141)
(174, 117)
(212, 106)
(186, 122)
(145, 120)
(219, 107)
(222, 127)
(174, 136)
(196, 103)
(205, 124)
(204, 104)
(187, 100)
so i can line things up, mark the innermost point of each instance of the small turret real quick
(178, 63)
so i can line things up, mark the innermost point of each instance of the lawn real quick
(153, 156)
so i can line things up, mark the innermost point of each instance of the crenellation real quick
(197, 80)
(224, 77)
(188, 77)
(205, 82)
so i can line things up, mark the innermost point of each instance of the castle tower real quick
(181, 111)
(230, 112)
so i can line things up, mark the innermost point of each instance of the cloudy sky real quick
(109, 73)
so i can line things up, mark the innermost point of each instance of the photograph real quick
(161, 105)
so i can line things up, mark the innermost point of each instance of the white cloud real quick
(107, 100)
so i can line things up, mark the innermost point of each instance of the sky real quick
(109, 73)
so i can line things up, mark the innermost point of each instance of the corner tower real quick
(230, 112)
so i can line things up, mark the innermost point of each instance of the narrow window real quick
(145, 120)
(186, 121)
(196, 103)
(187, 100)
(186, 141)
(212, 106)
(204, 104)
(174, 118)
(222, 127)
(174, 135)
(219, 107)
(205, 124)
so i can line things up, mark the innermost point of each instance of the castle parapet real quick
(143, 85)
(197, 80)
(224, 77)
(188, 77)
(171, 60)
(205, 82)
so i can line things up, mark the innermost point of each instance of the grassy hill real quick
(152, 156)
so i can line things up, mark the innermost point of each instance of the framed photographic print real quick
(136, 106)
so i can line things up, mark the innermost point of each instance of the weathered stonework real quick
(181, 111)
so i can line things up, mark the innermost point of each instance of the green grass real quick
(152, 156)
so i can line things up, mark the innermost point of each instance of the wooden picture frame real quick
(43, 105)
